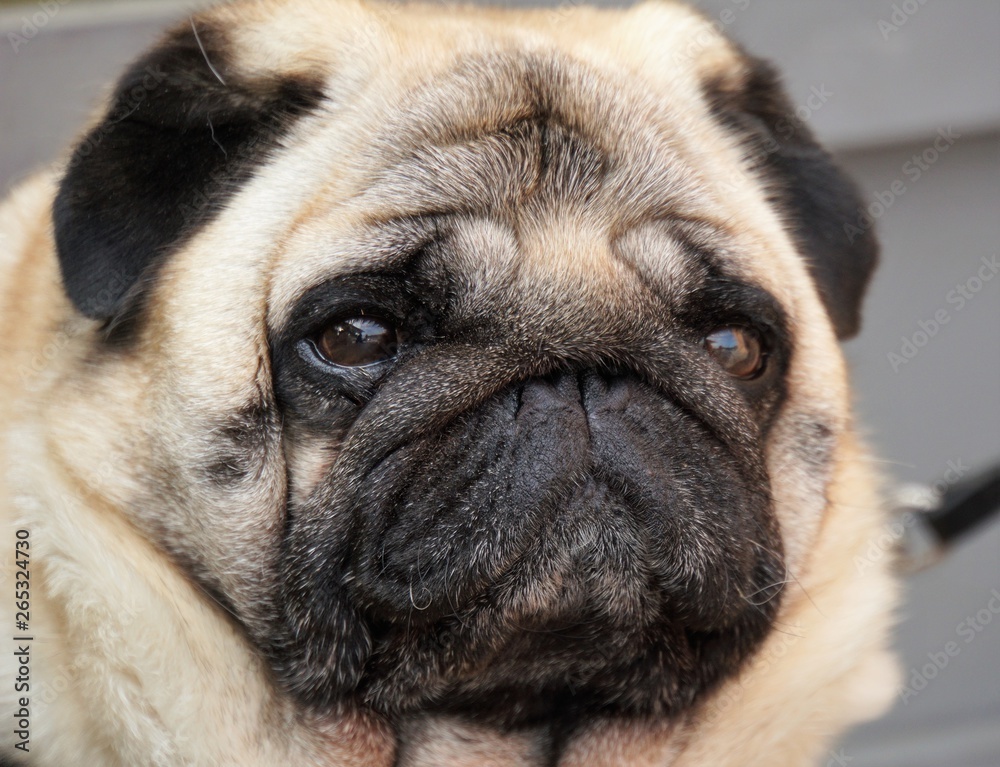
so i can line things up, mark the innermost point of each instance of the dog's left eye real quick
(739, 350)
(358, 341)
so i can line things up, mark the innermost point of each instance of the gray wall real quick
(889, 91)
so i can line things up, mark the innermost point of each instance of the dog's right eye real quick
(740, 351)
(358, 341)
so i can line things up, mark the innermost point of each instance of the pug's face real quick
(473, 364)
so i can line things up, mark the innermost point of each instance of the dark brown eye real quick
(358, 341)
(738, 350)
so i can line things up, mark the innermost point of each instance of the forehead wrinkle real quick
(536, 160)
(662, 264)
(488, 173)
(480, 133)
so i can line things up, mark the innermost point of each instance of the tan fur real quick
(132, 664)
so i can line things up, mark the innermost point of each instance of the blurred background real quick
(907, 94)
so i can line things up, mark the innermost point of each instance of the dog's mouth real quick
(595, 548)
(587, 619)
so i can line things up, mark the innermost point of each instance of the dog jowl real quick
(461, 371)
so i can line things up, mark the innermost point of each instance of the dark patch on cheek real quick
(241, 445)
(175, 146)
(814, 442)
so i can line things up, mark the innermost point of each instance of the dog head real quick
(473, 362)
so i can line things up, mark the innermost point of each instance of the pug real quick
(410, 385)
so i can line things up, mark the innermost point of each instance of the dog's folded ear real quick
(183, 130)
(819, 203)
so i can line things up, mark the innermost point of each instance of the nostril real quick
(566, 386)
(588, 389)
(594, 387)
(554, 401)
(557, 391)
(607, 391)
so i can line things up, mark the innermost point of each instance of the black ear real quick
(183, 131)
(818, 202)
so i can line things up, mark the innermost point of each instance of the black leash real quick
(933, 522)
